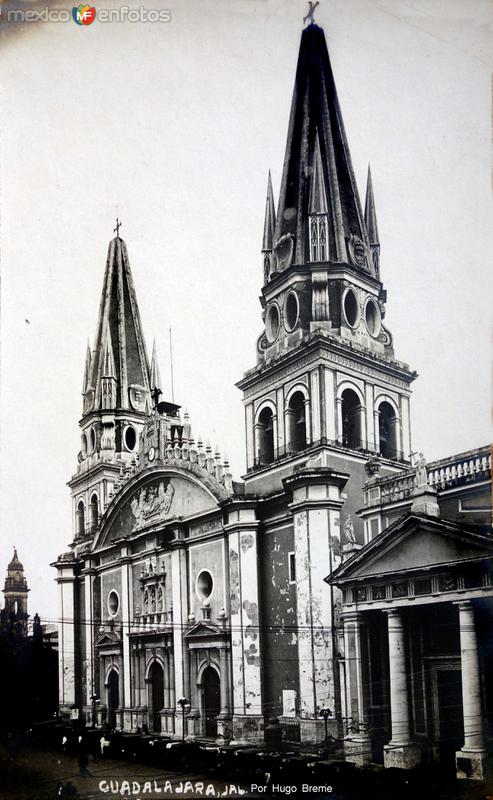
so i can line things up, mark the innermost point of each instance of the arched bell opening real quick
(156, 695)
(296, 418)
(387, 430)
(113, 695)
(80, 522)
(351, 419)
(211, 700)
(93, 512)
(265, 436)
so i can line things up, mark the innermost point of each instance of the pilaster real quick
(66, 581)
(127, 615)
(242, 527)
(316, 503)
(357, 744)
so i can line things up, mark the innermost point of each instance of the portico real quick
(413, 601)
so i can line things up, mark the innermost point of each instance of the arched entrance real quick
(211, 702)
(113, 696)
(156, 695)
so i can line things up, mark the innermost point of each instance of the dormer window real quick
(318, 237)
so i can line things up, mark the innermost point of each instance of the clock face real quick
(151, 453)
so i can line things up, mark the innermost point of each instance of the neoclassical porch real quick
(417, 614)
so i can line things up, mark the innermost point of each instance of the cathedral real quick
(342, 585)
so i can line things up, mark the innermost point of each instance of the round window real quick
(113, 603)
(92, 439)
(291, 311)
(83, 444)
(204, 584)
(372, 318)
(130, 438)
(272, 322)
(351, 308)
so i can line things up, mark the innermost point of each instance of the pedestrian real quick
(83, 762)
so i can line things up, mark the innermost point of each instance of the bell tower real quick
(116, 395)
(15, 592)
(326, 374)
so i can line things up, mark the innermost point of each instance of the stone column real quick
(257, 428)
(308, 420)
(224, 728)
(370, 427)
(339, 420)
(89, 654)
(357, 744)
(126, 671)
(223, 662)
(67, 623)
(167, 680)
(471, 758)
(180, 618)
(399, 752)
(329, 411)
(250, 436)
(315, 431)
(376, 429)
(364, 436)
(288, 415)
(275, 435)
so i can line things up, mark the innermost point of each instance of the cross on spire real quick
(117, 227)
(311, 11)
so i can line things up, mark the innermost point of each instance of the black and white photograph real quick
(246, 399)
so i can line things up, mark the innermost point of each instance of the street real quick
(32, 774)
(28, 773)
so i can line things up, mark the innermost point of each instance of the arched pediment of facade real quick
(177, 489)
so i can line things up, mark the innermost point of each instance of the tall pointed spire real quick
(119, 344)
(270, 218)
(371, 223)
(316, 121)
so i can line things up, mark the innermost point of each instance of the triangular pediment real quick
(415, 543)
(203, 629)
(107, 638)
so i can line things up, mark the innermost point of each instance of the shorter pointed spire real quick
(318, 197)
(270, 218)
(109, 369)
(87, 369)
(156, 385)
(370, 213)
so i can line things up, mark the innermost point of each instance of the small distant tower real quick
(15, 592)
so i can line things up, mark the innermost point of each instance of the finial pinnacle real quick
(117, 227)
(311, 11)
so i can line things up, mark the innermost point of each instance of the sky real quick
(173, 127)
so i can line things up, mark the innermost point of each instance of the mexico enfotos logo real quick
(84, 14)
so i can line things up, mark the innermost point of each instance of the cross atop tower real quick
(311, 11)
(117, 227)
